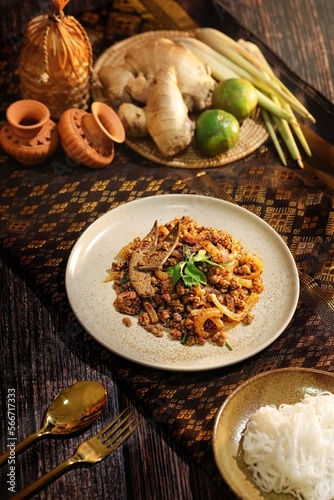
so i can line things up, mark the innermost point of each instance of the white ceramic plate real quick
(285, 385)
(91, 298)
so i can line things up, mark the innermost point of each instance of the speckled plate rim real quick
(92, 299)
(289, 385)
(253, 133)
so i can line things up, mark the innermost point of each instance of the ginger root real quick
(134, 120)
(167, 118)
(114, 81)
(194, 77)
(155, 88)
(139, 88)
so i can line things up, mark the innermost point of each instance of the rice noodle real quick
(290, 449)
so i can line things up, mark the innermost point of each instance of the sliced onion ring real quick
(235, 316)
(211, 313)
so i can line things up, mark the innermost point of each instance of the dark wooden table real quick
(150, 465)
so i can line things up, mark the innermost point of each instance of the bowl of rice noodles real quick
(273, 436)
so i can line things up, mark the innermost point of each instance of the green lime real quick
(238, 96)
(216, 131)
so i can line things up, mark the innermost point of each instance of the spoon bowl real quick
(72, 410)
(75, 408)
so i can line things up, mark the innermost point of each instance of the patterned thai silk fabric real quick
(44, 209)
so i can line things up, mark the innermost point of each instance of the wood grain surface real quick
(150, 465)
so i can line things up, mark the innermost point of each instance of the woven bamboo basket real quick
(253, 133)
(56, 61)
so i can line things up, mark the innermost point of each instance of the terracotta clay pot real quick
(30, 135)
(88, 138)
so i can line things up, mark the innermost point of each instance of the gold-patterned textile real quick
(44, 209)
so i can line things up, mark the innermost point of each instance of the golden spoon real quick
(75, 408)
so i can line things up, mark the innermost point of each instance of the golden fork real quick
(202, 183)
(92, 451)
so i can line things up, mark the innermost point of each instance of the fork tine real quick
(117, 431)
(113, 422)
(123, 438)
(115, 428)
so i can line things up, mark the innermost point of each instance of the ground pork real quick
(176, 306)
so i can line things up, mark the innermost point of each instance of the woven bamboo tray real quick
(252, 131)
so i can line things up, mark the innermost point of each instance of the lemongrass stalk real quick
(218, 70)
(294, 122)
(284, 129)
(287, 136)
(221, 73)
(257, 56)
(260, 84)
(238, 46)
(298, 132)
(273, 135)
(230, 48)
(204, 33)
(289, 140)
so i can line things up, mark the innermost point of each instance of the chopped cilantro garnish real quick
(229, 347)
(187, 269)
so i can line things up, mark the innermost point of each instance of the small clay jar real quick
(88, 138)
(30, 135)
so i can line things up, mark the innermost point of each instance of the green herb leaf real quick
(175, 272)
(187, 269)
(192, 275)
(200, 256)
